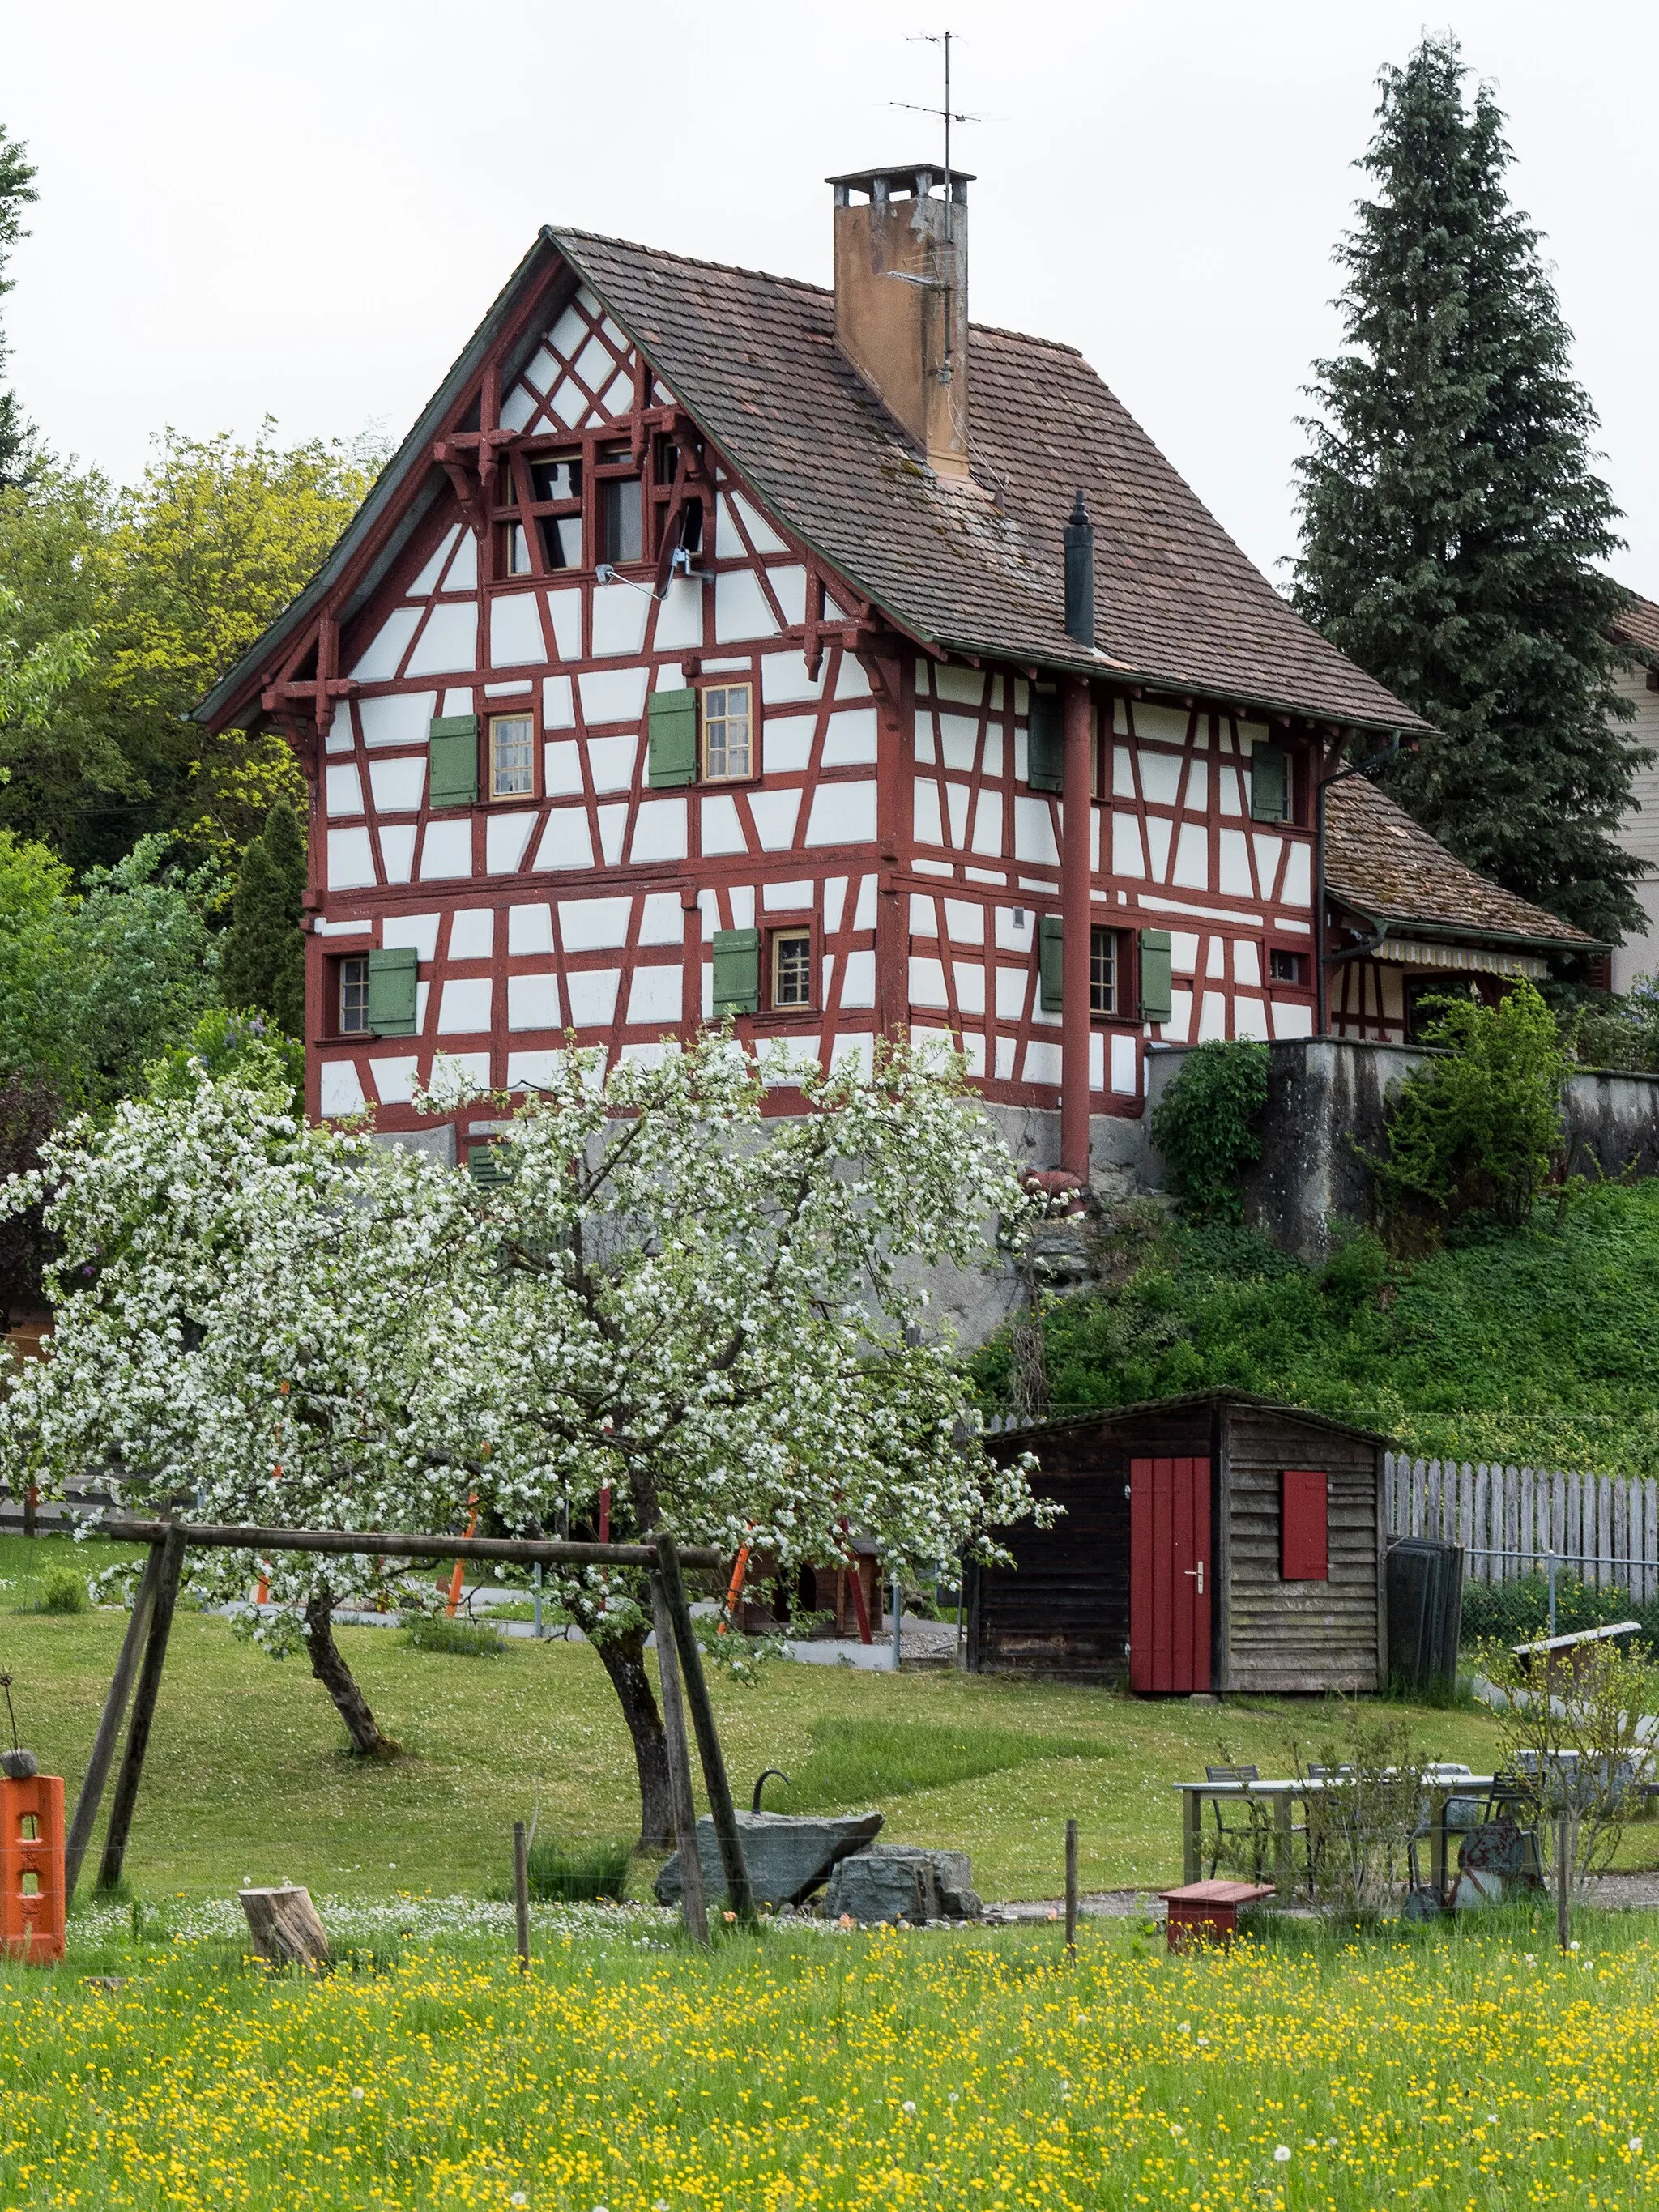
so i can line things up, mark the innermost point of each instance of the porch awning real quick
(1479, 959)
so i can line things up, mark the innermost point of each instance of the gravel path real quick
(1609, 1892)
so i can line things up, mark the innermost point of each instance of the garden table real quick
(1281, 1795)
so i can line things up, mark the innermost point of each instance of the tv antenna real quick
(947, 115)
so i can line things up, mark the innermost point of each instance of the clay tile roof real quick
(1388, 868)
(1638, 625)
(974, 568)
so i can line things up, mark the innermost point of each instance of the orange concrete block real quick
(31, 1902)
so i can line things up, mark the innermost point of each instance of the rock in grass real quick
(896, 1881)
(787, 1853)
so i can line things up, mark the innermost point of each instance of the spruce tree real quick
(1451, 517)
(17, 447)
(264, 960)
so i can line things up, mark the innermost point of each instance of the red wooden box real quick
(1208, 1911)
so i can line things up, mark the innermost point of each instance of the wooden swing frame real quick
(151, 1625)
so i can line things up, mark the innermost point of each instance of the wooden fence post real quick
(1564, 1879)
(693, 1906)
(733, 1865)
(109, 1726)
(521, 1894)
(144, 1710)
(1071, 1889)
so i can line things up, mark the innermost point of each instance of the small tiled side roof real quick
(976, 567)
(1388, 868)
(1638, 625)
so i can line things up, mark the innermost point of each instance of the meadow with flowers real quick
(799, 2068)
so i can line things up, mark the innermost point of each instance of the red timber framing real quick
(890, 809)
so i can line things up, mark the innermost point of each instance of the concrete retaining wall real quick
(1327, 1103)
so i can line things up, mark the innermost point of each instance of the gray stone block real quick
(897, 1881)
(788, 1855)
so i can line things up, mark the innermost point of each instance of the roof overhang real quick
(411, 474)
(1408, 929)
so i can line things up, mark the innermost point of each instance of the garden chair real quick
(1254, 1830)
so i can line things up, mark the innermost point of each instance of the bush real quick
(463, 1639)
(1624, 1033)
(579, 1873)
(1207, 1126)
(62, 1590)
(1478, 1129)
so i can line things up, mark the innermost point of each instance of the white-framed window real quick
(512, 756)
(728, 742)
(354, 994)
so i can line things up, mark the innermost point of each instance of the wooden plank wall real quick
(1297, 1636)
(1603, 1528)
(1064, 1609)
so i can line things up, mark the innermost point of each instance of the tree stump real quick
(285, 1928)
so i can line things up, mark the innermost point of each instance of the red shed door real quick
(1171, 1575)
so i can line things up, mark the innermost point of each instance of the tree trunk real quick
(336, 1678)
(624, 1659)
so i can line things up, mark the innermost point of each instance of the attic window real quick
(620, 535)
(516, 550)
(556, 480)
(561, 540)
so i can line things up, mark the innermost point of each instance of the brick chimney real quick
(902, 299)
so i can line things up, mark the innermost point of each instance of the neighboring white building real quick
(1639, 630)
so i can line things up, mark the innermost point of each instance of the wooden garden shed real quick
(1218, 1543)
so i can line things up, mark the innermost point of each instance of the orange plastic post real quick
(459, 1576)
(32, 1903)
(736, 1590)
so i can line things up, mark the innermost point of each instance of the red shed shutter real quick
(1302, 1551)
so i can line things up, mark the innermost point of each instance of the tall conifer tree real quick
(16, 190)
(264, 964)
(1451, 519)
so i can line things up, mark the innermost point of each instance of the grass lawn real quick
(1449, 2068)
(247, 1775)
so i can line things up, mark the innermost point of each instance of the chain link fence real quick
(1557, 1596)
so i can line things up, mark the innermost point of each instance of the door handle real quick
(1199, 1572)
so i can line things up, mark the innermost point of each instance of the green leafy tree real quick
(16, 192)
(1452, 523)
(177, 576)
(96, 985)
(263, 960)
(1478, 1128)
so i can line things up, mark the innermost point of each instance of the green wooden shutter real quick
(673, 749)
(1045, 763)
(1270, 784)
(1155, 1003)
(487, 1165)
(1050, 964)
(737, 972)
(391, 991)
(453, 749)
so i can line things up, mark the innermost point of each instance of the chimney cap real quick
(900, 176)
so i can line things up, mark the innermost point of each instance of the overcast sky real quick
(303, 209)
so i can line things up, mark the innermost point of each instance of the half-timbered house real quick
(716, 645)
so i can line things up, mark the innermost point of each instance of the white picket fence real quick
(1602, 1527)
